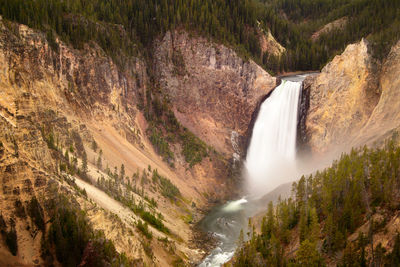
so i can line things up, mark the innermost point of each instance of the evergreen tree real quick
(84, 167)
(308, 255)
(122, 173)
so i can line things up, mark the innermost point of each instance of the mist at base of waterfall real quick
(271, 156)
(270, 166)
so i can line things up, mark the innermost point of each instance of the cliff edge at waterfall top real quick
(199, 133)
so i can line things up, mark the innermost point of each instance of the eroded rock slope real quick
(61, 107)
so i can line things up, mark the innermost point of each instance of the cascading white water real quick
(271, 155)
(271, 160)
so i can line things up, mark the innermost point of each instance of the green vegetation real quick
(125, 29)
(94, 145)
(168, 189)
(71, 181)
(79, 22)
(113, 189)
(178, 262)
(376, 20)
(74, 239)
(164, 129)
(194, 150)
(147, 248)
(236, 23)
(327, 208)
(144, 228)
(121, 28)
(84, 167)
(160, 144)
(67, 163)
(99, 163)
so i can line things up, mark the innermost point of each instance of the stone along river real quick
(270, 161)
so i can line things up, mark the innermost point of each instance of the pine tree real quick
(99, 163)
(122, 173)
(308, 255)
(84, 163)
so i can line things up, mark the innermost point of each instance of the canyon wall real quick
(342, 98)
(214, 91)
(385, 118)
(354, 100)
(57, 101)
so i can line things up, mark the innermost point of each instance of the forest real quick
(130, 27)
(361, 188)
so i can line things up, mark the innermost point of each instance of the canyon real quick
(57, 100)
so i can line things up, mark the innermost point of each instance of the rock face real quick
(214, 91)
(352, 101)
(386, 116)
(342, 98)
(269, 44)
(56, 101)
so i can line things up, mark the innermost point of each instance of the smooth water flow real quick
(271, 161)
(225, 223)
(271, 156)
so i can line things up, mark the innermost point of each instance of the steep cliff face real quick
(214, 91)
(56, 102)
(385, 118)
(342, 98)
(354, 101)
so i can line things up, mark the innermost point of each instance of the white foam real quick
(272, 151)
(234, 205)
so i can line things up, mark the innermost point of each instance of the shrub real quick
(144, 228)
(153, 220)
(194, 150)
(160, 144)
(168, 189)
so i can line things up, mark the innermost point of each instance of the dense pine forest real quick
(362, 188)
(127, 27)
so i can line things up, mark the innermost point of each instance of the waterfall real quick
(271, 156)
(270, 161)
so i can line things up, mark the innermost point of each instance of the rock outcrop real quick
(342, 98)
(269, 44)
(354, 101)
(213, 90)
(385, 118)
